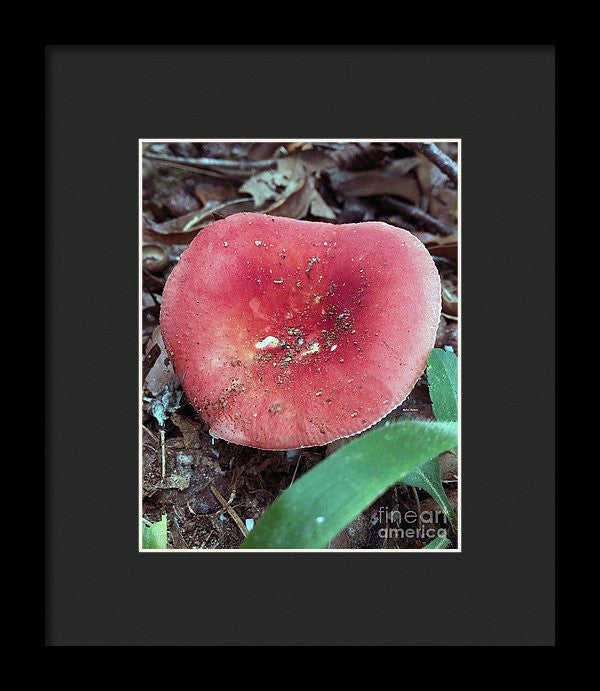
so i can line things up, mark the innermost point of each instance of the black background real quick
(100, 101)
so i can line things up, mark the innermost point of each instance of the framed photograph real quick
(299, 333)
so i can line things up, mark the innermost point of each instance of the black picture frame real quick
(500, 101)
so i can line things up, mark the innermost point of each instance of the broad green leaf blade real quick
(442, 375)
(427, 477)
(323, 501)
(439, 542)
(155, 536)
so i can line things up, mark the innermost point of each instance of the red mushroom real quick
(289, 333)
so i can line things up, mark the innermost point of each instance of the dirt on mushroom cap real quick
(295, 333)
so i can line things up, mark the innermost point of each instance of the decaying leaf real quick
(429, 176)
(444, 246)
(298, 146)
(319, 208)
(189, 428)
(444, 204)
(298, 204)
(294, 205)
(182, 230)
(291, 187)
(175, 481)
(370, 183)
(276, 184)
(217, 190)
(161, 372)
(314, 160)
(449, 295)
(360, 156)
(263, 150)
(149, 359)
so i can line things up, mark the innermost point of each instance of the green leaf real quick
(154, 536)
(439, 542)
(427, 477)
(442, 375)
(323, 501)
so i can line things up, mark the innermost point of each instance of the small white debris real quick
(268, 342)
(320, 519)
(319, 393)
(249, 524)
(278, 280)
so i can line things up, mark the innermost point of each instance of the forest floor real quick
(209, 488)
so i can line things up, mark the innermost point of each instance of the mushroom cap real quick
(288, 333)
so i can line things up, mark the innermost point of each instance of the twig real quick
(150, 433)
(163, 457)
(207, 539)
(418, 503)
(230, 510)
(413, 213)
(437, 157)
(244, 166)
(295, 469)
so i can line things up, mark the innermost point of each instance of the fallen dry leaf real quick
(183, 230)
(215, 190)
(291, 187)
(190, 429)
(429, 176)
(149, 359)
(161, 372)
(360, 156)
(260, 151)
(301, 201)
(449, 295)
(276, 184)
(444, 205)
(371, 183)
(444, 246)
